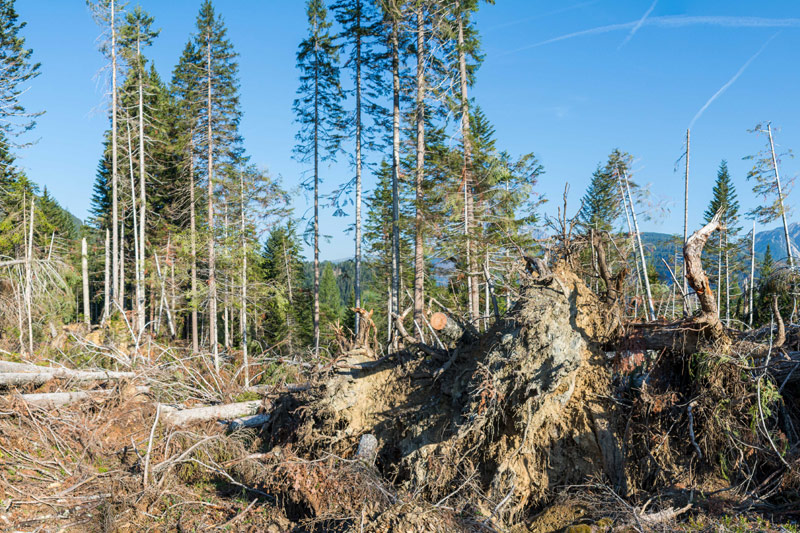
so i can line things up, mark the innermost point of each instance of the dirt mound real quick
(518, 413)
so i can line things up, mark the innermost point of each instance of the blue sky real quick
(567, 80)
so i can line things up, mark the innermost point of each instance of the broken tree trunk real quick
(184, 417)
(698, 279)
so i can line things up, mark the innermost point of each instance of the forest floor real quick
(529, 426)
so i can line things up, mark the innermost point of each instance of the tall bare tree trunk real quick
(648, 293)
(780, 197)
(121, 299)
(142, 200)
(193, 244)
(624, 199)
(316, 205)
(289, 322)
(469, 223)
(243, 315)
(29, 276)
(87, 317)
(107, 283)
(719, 275)
(357, 281)
(115, 238)
(419, 245)
(752, 275)
(395, 299)
(139, 287)
(686, 309)
(212, 273)
(727, 284)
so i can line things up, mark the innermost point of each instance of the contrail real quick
(542, 15)
(638, 25)
(674, 22)
(730, 82)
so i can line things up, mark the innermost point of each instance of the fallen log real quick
(253, 421)
(183, 417)
(16, 379)
(52, 400)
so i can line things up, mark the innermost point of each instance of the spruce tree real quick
(724, 198)
(288, 305)
(136, 34)
(319, 113)
(18, 69)
(601, 205)
(217, 76)
(360, 23)
(330, 298)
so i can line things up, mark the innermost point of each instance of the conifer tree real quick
(18, 69)
(601, 205)
(319, 112)
(330, 298)
(360, 27)
(136, 34)
(106, 13)
(769, 187)
(724, 197)
(288, 304)
(218, 129)
(186, 89)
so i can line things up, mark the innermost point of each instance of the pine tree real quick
(318, 110)
(186, 92)
(18, 69)
(330, 298)
(724, 198)
(106, 13)
(218, 129)
(136, 34)
(601, 203)
(360, 26)
(288, 305)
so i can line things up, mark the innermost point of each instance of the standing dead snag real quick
(697, 277)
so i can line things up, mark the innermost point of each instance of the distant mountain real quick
(777, 244)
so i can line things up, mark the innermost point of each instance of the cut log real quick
(446, 327)
(15, 379)
(184, 417)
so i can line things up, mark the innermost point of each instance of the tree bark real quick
(115, 238)
(395, 298)
(184, 417)
(212, 274)
(193, 244)
(358, 62)
(419, 246)
(686, 305)
(107, 283)
(472, 284)
(780, 197)
(697, 278)
(87, 318)
(243, 316)
(142, 199)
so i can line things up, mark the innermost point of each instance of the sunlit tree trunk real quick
(419, 253)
